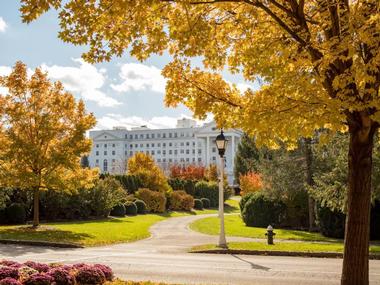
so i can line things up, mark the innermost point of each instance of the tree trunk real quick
(36, 207)
(310, 182)
(356, 242)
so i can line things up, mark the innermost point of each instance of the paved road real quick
(163, 257)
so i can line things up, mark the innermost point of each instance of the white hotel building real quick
(186, 144)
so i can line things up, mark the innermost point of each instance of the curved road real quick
(163, 257)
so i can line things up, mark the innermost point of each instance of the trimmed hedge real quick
(331, 223)
(155, 201)
(205, 203)
(118, 211)
(198, 204)
(208, 190)
(130, 208)
(130, 183)
(16, 214)
(141, 206)
(260, 211)
(180, 200)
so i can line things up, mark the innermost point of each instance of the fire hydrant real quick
(270, 234)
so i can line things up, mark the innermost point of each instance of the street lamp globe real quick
(221, 143)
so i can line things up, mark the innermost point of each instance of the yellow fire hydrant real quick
(270, 234)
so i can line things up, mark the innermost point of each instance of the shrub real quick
(250, 183)
(130, 208)
(16, 214)
(208, 190)
(155, 201)
(260, 211)
(9, 281)
(61, 276)
(177, 183)
(10, 263)
(180, 200)
(198, 204)
(106, 194)
(7, 271)
(25, 272)
(205, 203)
(331, 223)
(40, 267)
(107, 271)
(39, 279)
(130, 183)
(141, 206)
(244, 200)
(118, 211)
(89, 275)
(3, 216)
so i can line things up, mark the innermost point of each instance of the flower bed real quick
(34, 273)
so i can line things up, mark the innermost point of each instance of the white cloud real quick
(159, 122)
(85, 80)
(137, 76)
(3, 25)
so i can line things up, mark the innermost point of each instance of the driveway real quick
(163, 257)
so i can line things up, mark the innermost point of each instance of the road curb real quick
(40, 243)
(280, 253)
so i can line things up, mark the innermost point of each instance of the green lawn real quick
(98, 232)
(234, 226)
(285, 246)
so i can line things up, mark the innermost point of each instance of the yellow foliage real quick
(43, 134)
(152, 177)
(317, 61)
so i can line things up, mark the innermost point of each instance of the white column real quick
(207, 150)
(232, 150)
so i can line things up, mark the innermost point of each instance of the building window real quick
(113, 152)
(175, 135)
(164, 160)
(152, 152)
(141, 145)
(187, 160)
(113, 145)
(182, 151)
(105, 165)
(170, 160)
(126, 136)
(130, 153)
(131, 145)
(147, 145)
(97, 145)
(97, 153)
(214, 158)
(105, 145)
(187, 151)
(136, 145)
(164, 152)
(158, 151)
(147, 136)
(193, 159)
(125, 152)
(147, 151)
(170, 135)
(159, 160)
(158, 135)
(130, 137)
(97, 161)
(193, 143)
(152, 136)
(170, 151)
(175, 152)
(182, 134)
(214, 149)
(193, 151)
(182, 144)
(159, 145)
(199, 159)
(199, 151)
(164, 135)
(170, 144)
(136, 136)
(113, 160)
(187, 144)
(105, 152)
(152, 144)
(164, 144)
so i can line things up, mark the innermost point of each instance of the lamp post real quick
(221, 144)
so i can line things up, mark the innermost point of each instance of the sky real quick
(122, 92)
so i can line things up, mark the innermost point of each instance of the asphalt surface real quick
(164, 257)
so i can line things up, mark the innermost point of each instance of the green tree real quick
(246, 157)
(44, 135)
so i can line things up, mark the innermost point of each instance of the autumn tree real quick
(149, 173)
(250, 182)
(44, 130)
(318, 60)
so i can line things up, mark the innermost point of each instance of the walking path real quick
(163, 257)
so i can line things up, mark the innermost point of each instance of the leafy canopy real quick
(43, 134)
(318, 60)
